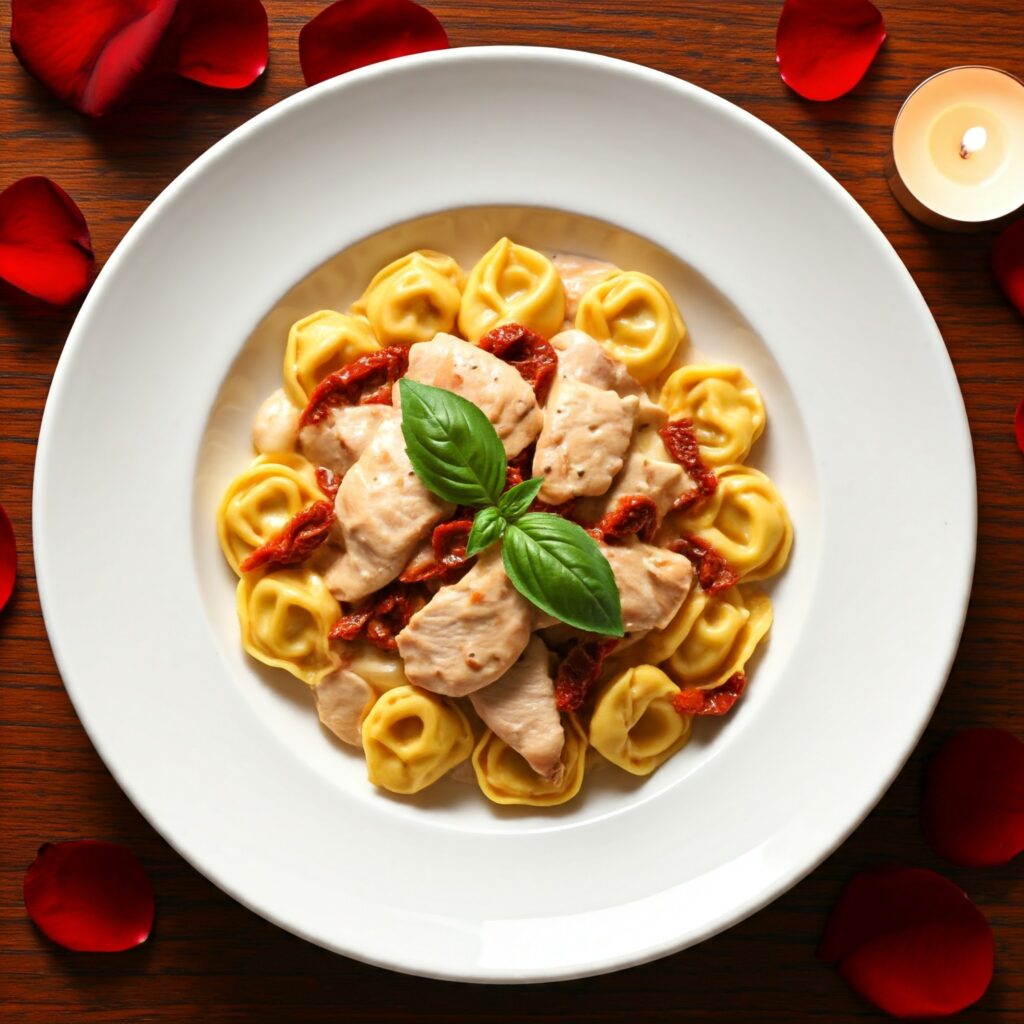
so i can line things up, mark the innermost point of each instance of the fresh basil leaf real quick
(452, 445)
(488, 526)
(559, 567)
(516, 501)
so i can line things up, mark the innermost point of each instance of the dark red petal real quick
(353, 33)
(44, 241)
(8, 559)
(1018, 426)
(909, 941)
(824, 47)
(1008, 263)
(88, 52)
(973, 810)
(223, 43)
(90, 896)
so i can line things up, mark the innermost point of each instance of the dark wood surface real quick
(209, 958)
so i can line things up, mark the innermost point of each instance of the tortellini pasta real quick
(260, 500)
(411, 738)
(284, 617)
(745, 521)
(505, 778)
(381, 669)
(634, 725)
(512, 284)
(413, 298)
(318, 345)
(636, 321)
(726, 409)
(715, 635)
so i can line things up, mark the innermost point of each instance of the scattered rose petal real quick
(89, 896)
(824, 47)
(909, 941)
(973, 810)
(1018, 426)
(8, 559)
(1008, 263)
(44, 241)
(353, 33)
(88, 52)
(222, 43)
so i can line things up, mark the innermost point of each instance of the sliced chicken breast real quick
(343, 699)
(275, 425)
(579, 274)
(337, 441)
(469, 633)
(520, 709)
(652, 582)
(483, 379)
(384, 512)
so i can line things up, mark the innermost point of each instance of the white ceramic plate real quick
(773, 265)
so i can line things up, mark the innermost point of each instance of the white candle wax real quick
(958, 148)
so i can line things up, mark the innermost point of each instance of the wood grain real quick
(211, 959)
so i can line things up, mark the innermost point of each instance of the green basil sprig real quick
(552, 562)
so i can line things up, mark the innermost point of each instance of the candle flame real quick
(973, 140)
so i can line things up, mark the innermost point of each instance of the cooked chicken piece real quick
(520, 709)
(506, 399)
(469, 633)
(579, 275)
(642, 475)
(337, 441)
(587, 425)
(343, 699)
(275, 424)
(652, 582)
(383, 511)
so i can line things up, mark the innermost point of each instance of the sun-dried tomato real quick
(579, 670)
(296, 540)
(681, 443)
(633, 515)
(525, 350)
(365, 381)
(711, 702)
(328, 481)
(714, 573)
(382, 619)
(449, 542)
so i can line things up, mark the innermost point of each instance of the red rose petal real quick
(88, 52)
(90, 896)
(222, 43)
(8, 559)
(909, 941)
(1008, 263)
(1018, 425)
(824, 47)
(44, 241)
(973, 811)
(353, 33)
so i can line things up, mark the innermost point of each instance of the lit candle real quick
(957, 159)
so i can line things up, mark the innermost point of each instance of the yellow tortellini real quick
(285, 616)
(726, 409)
(713, 636)
(411, 738)
(260, 500)
(634, 725)
(381, 669)
(745, 521)
(318, 345)
(635, 319)
(413, 298)
(512, 284)
(505, 778)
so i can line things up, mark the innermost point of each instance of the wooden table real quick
(209, 958)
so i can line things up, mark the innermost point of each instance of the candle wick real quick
(973, 140)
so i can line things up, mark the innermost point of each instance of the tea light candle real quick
(957, 159)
